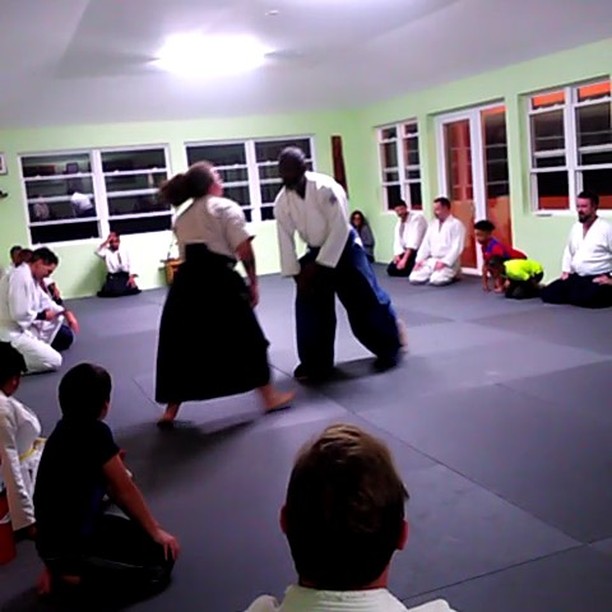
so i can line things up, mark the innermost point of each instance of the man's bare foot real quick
(403, 334)
(277, 400)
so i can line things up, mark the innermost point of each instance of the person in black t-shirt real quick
(78, 542)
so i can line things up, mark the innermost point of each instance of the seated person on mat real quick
(120, 280)
(587, 260)
(438, 261)
(492, 247)
(20, 444)
(408, 235)
(30, 320)
(363, 229)
(344, 518)
(519, 278)
(79, 544)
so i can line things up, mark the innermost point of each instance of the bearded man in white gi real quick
(587, 260)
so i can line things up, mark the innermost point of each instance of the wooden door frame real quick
(474, 116)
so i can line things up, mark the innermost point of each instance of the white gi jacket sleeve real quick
(22, 301)
(22, 512)
(333, 202)
(568, 254)
(424, 252)
(126, 260)
(397, 241)
(457, 242)
(416, 231)
(285, 228)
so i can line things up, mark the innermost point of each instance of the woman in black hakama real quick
(210, 342)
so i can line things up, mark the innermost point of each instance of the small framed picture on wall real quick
(3, 168)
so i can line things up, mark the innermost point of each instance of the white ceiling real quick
(82, 61)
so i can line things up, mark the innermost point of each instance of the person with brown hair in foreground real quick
(344, 519)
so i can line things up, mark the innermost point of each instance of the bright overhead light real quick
(196, 55)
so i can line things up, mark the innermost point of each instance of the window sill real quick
(567, 213)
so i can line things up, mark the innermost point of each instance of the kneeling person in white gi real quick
(437, 261)
(30, 320)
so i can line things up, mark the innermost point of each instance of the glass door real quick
(473, 173)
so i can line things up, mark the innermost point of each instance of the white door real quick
(473, 173)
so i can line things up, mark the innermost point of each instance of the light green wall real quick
(542, 237)
(80, 273)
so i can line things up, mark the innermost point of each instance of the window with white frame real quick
(85, 194)
(571, 145)
(400, 164)
(249, 170)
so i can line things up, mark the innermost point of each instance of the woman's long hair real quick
(364, 221)
(195, 183)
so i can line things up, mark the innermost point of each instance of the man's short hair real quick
(592, 197)
(46, 255)
(293, 154)
(444, 201)
(15, 249)
(12, 362)
(400, 203)
(344, 512)
(84, 391)
(484, 226)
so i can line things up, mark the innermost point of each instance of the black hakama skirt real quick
(210, 342)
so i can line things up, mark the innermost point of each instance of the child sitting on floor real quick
(492, 247)
(81, 545)
(520, 277)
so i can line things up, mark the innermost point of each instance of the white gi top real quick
(300, 599)
(19, 430)
(589, 255)
(21, 300)
(116, 261)
(218, 223)
(443, 241)
(409, 235)
(321, 220)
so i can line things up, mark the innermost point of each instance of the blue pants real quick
(370, 313)
(63, 339)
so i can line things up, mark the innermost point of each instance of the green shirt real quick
(522, 269)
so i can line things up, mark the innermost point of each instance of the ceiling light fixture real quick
(196, 55)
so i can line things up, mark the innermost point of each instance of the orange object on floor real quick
(8, 550)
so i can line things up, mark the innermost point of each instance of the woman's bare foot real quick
(169, 416)
(274, 399)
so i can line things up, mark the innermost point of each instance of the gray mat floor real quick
(500, 419)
